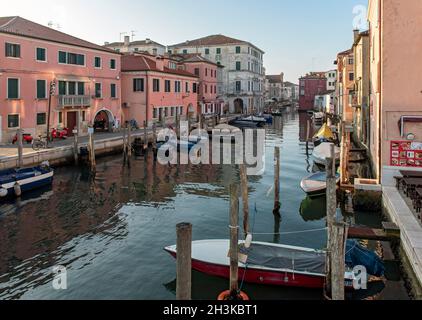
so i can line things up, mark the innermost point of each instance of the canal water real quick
(110, 232)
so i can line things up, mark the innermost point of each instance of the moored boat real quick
(316, 184)
(323, 151)
(14, 182)
(325, 134)
(267, 263)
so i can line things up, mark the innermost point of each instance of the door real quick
(71, 121)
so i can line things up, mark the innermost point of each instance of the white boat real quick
(255, 119)
(323, 151)
(316, 184)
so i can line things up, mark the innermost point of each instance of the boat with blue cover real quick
(14, 182)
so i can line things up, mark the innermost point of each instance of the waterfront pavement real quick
(411, 229)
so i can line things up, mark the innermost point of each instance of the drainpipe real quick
(380, 93)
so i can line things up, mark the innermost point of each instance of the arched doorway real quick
(103, 121)
(238, 105)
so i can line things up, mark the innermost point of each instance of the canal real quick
(110, 232)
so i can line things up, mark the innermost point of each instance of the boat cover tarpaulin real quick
(285, 258)
(325, 133)
(356, 255)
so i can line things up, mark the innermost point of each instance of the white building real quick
(146, 45)
(331, 79)
(274, 87)
(243, 73)
(291, 91)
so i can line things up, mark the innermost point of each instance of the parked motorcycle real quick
(60, 134)
(26, 137)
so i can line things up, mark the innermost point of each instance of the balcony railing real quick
(74, 101)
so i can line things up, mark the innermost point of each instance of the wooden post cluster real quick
(145, 135)
(245, 197)
(75, 146)
(91, 149)
(20, 147)
(184, 262)
(277, 204)
(308, 133)
(234, 238)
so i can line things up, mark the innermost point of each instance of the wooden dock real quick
(390, 231)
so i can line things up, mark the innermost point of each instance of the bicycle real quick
(40, 143)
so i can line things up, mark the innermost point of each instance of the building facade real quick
(84, 78)
(331, 80)
(128, 46)
(274, 87)
(395, 89)
(311, 85)
(243, 74)
(155, 89)
(293, 91)
(345, 84)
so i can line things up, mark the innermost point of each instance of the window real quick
(13, 88)
(177, 86)
(13, 50)
(238, 65)
(218, 50)
(113, 64)
(196, 71)
(237, 49)
(351, 76)
(97, 62)
(167, 86)
(41, 89)
(71, 88)
(206, 88)
(156, 85)
(351, 60)
(41, 54)
(187, 87)
(154, 51)
(155, 115)
(185, 51)
(98, 90)
(71, 58)
(195, 88)
(60, 117)
(41, 119)
(136, 49)
(207, 51)
(83, 115)
(62, 88)
(206, 72)
(13, 121)
(138, 85)
(81, 88)
(238, 86)
(172, 112)
(113, 90)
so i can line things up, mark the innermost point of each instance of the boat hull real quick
(257, 276)
(28, 184)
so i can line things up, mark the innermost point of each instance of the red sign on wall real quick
(406, 154)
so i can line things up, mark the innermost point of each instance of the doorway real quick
(238, 106)
(71, 121)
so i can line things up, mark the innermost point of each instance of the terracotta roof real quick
(191, 58)
(144, 63)
(290, 84)
(133, 43)
(25, 28)
(343, 53)
(217, 39)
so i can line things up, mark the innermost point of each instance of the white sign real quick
(90, 130)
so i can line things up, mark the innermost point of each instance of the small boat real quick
(14, 182)
(323, 151)
(267, 263)
(325, 134)
(277, 114)
(255, 119)
(316, 184)
(244, 123)
(180, 144)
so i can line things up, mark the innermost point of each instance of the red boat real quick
(268, 264)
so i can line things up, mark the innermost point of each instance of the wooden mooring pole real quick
(308, 131)
(20, 147)
(234, 239)
(336, 235)
(245, 198)
(145, 135)
(277, 204)
(129, 142)
(92, 150)
(184, 262)
(75, 146)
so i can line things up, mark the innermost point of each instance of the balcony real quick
(74, 101)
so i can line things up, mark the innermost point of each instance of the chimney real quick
(159, 63)
(127, 40)
(355, 35)
(106, 43)
(147, 40)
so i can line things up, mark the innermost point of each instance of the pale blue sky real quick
(297, 35)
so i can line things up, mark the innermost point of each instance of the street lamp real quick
(52, 92)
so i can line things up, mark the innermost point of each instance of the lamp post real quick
(52, 92)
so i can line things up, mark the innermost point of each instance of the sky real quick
(297, 36)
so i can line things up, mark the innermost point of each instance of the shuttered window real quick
(12, 88)
(41, 89)
(13, 50)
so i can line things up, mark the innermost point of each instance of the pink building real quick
(86, 78)
(154, 87)
(209, 102)
(310, 86)
(396, 91)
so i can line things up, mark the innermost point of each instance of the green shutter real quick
(80, 60)
(62, 57)
(13, 88)
(41, 119)
(113, 90)
(62, 88)
(81, 89)
(41, 89)
(41, 56)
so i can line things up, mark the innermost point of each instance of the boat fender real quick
(248, 241)
(18, 190)
(226, 296)
(3, 192)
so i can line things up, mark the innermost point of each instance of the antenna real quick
(122, 34)
(133, 33)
